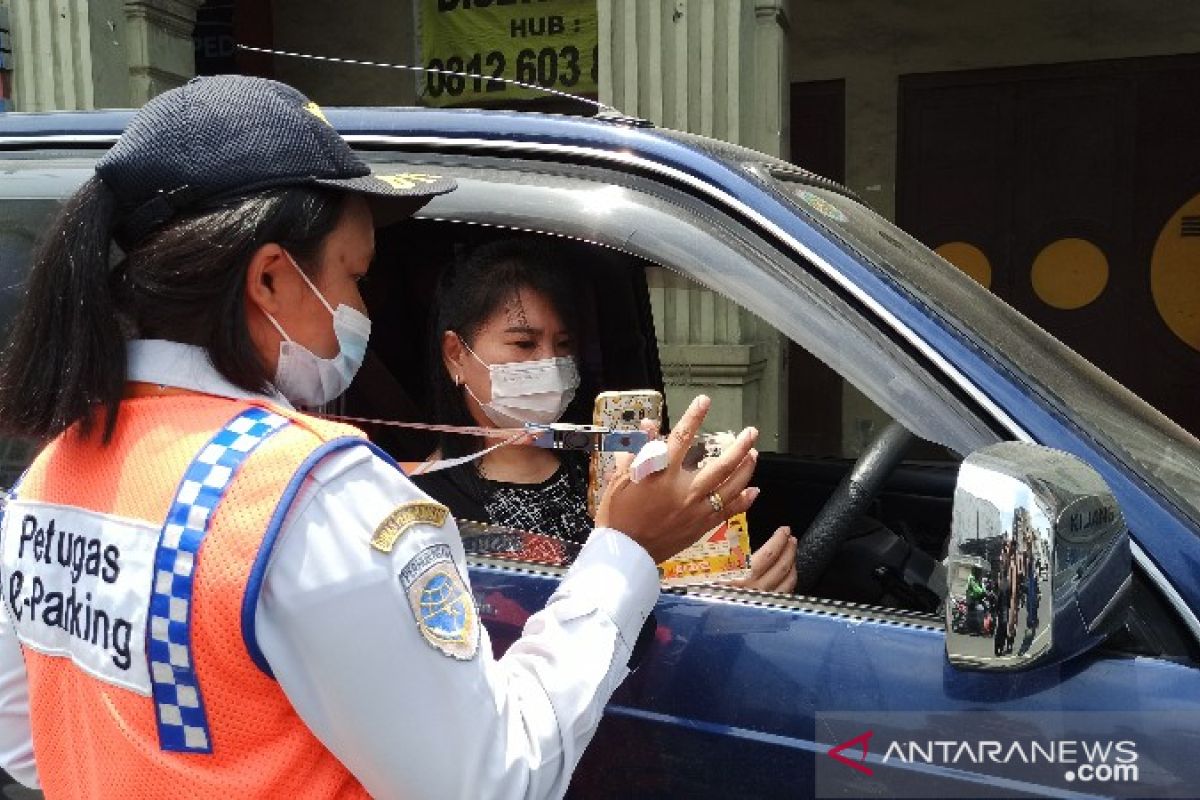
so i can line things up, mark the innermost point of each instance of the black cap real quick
(226, 136)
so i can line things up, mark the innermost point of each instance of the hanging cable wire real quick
(602, 107)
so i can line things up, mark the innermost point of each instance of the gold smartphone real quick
(624, 409)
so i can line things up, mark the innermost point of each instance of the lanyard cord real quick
(509, 436)
(463, 430)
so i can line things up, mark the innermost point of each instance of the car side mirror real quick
(1038, 565)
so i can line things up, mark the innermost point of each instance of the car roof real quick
(704, 158)
(372, 120)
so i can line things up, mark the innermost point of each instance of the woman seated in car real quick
(506, 341)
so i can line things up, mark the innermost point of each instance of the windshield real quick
(1144, 439)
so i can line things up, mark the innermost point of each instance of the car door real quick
(743, 694)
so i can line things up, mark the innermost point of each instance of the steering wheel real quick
(849, 501)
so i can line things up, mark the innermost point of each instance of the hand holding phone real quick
(673, 509)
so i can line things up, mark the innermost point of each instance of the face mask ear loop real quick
(473, 397)
(320, 296)
(278, 327)
(472, 352)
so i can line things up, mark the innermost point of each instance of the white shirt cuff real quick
(617, 576)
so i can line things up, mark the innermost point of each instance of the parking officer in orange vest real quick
(208, 593)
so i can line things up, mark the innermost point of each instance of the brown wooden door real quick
(1073, 192)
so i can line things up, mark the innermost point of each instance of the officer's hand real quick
(773, 566)
(670, 510)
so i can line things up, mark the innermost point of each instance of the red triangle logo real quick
(863, 740)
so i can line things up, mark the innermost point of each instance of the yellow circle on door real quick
(1069, 273)
(970, 259)
(1175, 273)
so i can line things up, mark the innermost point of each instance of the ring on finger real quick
(716, 502)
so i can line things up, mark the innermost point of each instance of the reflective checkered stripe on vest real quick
(125, 568)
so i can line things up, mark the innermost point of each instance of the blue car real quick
(998, 597)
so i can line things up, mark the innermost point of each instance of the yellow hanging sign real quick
(546, 43)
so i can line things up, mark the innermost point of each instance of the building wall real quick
(870, 43)
(361, 29)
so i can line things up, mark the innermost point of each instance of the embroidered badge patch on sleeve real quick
(440, 602)
(403, 517)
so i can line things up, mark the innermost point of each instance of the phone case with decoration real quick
(617, 410)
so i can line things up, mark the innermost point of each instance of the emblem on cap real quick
(408, 180)
(443, 608)
(316, 111)
(403, 517)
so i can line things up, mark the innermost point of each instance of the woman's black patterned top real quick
(557, 506)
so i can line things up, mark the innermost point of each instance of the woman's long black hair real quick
(64, 362)
(476, 286)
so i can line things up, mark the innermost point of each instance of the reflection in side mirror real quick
(1038, 563)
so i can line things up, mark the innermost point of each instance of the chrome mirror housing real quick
(1038, 564)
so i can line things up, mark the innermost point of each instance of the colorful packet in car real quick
(722, 554)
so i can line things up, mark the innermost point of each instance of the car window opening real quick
(892, 555)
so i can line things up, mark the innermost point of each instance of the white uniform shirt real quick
(343, 642)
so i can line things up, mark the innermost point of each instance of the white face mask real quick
(305, 378)
(528, 391)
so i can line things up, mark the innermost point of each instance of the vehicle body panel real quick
(727, 700)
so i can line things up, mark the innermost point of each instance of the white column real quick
(82, 54)
(718, 68)
(68, 54)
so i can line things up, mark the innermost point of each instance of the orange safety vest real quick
(206, 508)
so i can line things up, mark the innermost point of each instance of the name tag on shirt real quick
(77, 584)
